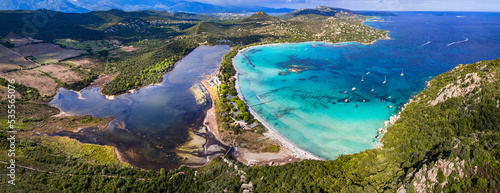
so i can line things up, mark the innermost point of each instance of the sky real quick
(383, 5)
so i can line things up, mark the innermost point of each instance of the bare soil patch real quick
(249, 157)
(45, 53)
(10, 60)
(63, 73)
(17, 40)
(4, 93)
(33, 78)
(103, 80)
(129, 49)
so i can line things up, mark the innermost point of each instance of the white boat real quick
(353, 88)
(402, 72)
(389, 96)
(346, 100)
(368, 73)
(373, 89)
(362, 78)
(385, 79)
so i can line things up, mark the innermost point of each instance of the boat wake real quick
(466, 39)
(425, 44)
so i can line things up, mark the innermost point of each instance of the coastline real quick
(272, 133)
(210, 120)
(391, 121)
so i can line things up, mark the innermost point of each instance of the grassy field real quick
(93, 46)
(45, 53)
(62, 73)
(87, 153)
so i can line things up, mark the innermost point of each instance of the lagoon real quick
(158, 126)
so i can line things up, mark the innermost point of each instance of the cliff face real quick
(462, 81)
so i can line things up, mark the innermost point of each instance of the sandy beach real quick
(210, 120)
(288, 151)
(272, 134)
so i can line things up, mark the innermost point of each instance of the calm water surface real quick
(152, 123)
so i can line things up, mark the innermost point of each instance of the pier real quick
(261, 103)
(248, 60)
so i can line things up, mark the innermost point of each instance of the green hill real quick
(321, 10)
(96, 25)
(207, 27)
(259, 17)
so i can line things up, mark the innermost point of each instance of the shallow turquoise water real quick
(309, 108)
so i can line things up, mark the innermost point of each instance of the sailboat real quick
(402, 72)
(362, 78)
(385, 79)
(373, 89)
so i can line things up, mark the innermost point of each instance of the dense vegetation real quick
(81, 84)
(147, 67)
(261, 27)
(97, 25)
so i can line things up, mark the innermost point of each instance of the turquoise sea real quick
(309, 107)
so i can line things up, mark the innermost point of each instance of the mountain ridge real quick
(82, 6)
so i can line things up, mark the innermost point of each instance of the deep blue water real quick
(309, 108)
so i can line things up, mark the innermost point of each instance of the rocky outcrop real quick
(426, 178)
(459, 88)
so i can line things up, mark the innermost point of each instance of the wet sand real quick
(210, 118)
